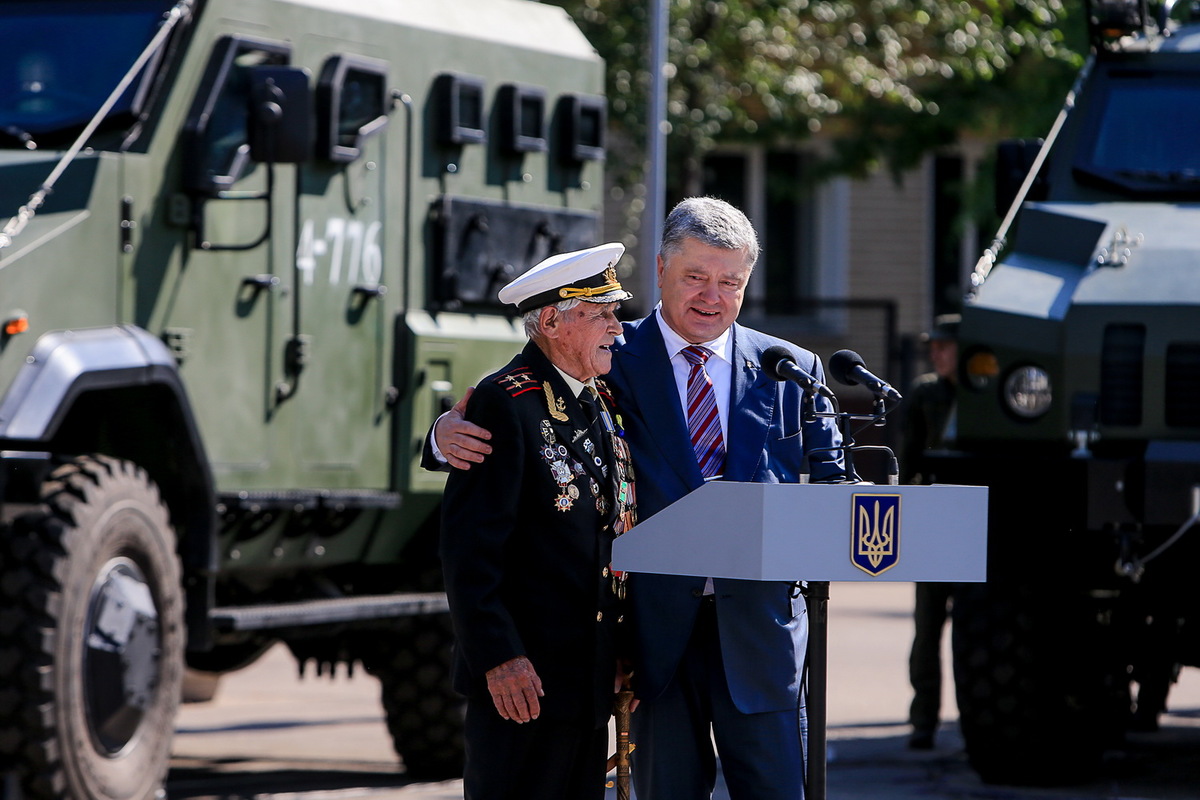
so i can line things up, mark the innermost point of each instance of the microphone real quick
(847, 366)
(779, 363)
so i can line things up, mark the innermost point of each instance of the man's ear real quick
(550, 321)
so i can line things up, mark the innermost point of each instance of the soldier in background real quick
(929, 424)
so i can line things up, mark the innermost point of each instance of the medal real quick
(561, 472)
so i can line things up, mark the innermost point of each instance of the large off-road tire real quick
(1035, 698)
(424, 713)
(412, 661)
(91, 636)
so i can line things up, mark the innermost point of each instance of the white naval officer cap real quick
(589, 275)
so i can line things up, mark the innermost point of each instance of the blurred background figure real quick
(929, 424)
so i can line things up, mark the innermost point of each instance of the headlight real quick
(1027, 392)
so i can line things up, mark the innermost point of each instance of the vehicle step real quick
(321, 612)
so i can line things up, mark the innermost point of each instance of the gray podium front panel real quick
(761, 531)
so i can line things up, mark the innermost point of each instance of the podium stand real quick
(815, 533)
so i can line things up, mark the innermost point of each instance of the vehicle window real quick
(62, 58)
(1146, 130)
(217, 127)
(360, 104)
(353, 105)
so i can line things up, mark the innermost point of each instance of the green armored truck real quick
(250, 249)
(1079, 405)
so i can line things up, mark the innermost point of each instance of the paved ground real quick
(269, 733)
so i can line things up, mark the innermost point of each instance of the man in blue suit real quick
(717, 660)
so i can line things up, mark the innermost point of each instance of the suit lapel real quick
(751, 408)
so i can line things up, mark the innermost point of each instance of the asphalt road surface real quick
(269, 734)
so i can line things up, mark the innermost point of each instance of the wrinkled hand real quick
(515, 688)
(462, 443)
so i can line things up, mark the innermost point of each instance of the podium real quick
(816, 533)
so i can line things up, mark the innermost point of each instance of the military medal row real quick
(564, 471)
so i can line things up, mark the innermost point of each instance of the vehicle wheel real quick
(412, 661)
(1030, 684)
(424, 713)
(92, 660)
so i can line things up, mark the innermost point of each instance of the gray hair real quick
(532, 319)
(712, 222)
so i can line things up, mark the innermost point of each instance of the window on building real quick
(950, 238)
(788, 226)
(771, 187)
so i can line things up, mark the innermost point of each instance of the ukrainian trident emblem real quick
(875, 532)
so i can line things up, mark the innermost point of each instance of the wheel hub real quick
(121, 659)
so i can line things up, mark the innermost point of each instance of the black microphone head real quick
(840, 364)
(771, 359)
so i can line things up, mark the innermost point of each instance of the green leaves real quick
(887, 79)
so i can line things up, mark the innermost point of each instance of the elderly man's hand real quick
(515, 688)
(461, 443)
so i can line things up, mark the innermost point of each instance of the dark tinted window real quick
(1146, 132)
(59, 61)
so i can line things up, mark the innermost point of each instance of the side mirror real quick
(280, 115)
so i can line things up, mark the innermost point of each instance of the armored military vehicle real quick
(251, 250)
(1079, 405)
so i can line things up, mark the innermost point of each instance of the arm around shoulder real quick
(453, 441)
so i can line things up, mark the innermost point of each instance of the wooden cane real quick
(624, 748)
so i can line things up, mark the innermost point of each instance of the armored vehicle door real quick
(333, 399)
(232, 304)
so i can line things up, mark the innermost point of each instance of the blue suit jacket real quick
(763, 626)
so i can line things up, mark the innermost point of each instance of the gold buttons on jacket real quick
(599, 616)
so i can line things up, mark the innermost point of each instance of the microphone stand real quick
(816, 593)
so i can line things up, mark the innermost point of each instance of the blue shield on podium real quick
(875, 532)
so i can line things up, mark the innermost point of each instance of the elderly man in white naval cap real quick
(526, 543)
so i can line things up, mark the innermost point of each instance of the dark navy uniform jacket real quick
(527, 540)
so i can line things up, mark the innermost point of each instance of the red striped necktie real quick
(704, 424)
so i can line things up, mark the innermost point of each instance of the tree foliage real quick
(884, 80)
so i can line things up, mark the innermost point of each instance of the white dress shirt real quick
(719, 368)
(720, 371)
